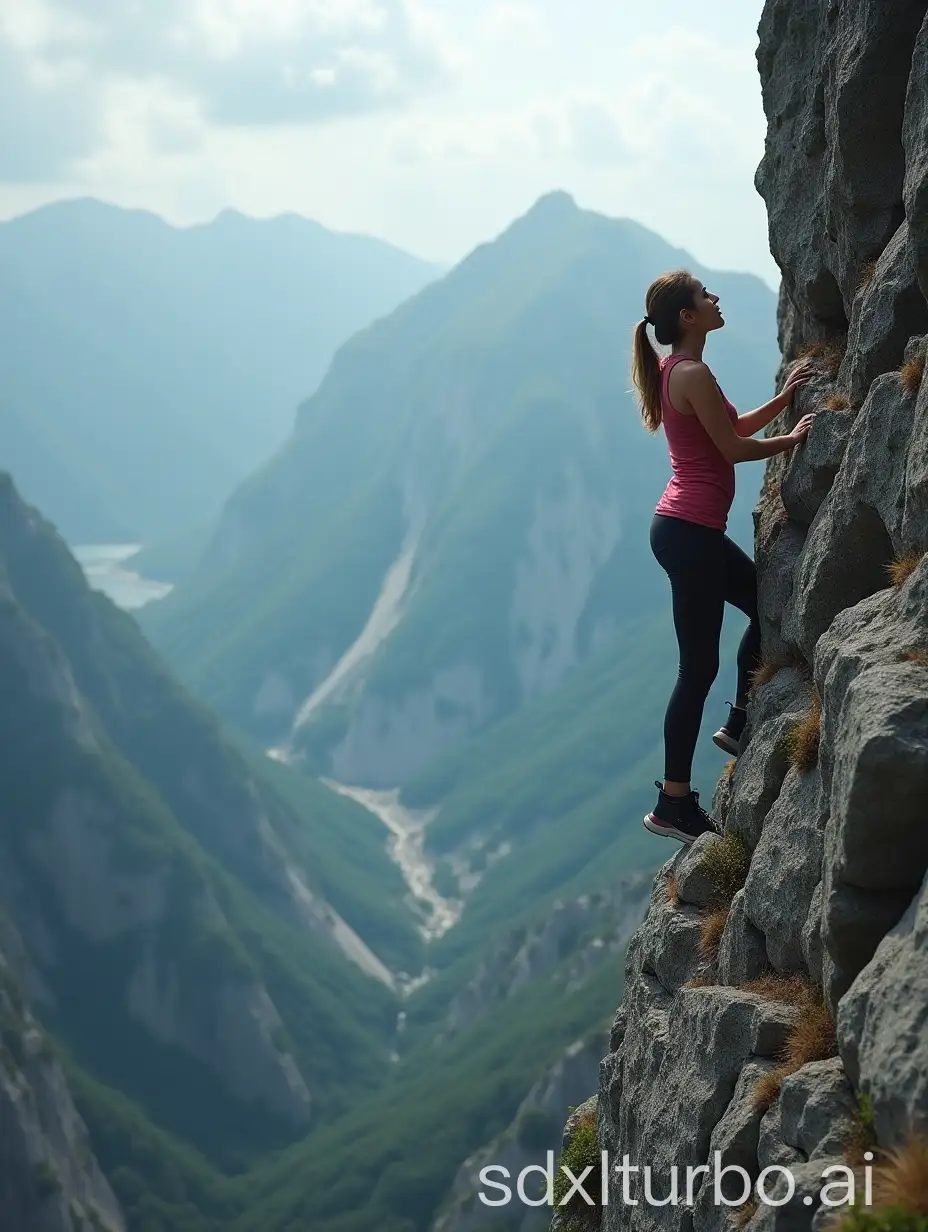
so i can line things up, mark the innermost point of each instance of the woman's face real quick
(705, 314)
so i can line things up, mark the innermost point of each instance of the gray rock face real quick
(661, 1100)
(763, 763)
(915, 516)
(816, 1109)
(691, 872)
(858, 527)
(915, 145)
(776, 574)
(834, 82)
(811, 473)
(890, 310)
(805, 1131)
(50, 1180)
(735, 1137)
(883, 1026)
(786, 869)
(874, 747)
(837, 890)
(743, 950)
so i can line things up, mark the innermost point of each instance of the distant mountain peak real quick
(558, 198)
(555, 204)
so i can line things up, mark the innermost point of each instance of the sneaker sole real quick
(725, 742)
(656, 827)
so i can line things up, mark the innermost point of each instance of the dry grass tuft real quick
(673, 894)
(901, 1180)
(829, 350)
(711, 928)
(919, 656)
(910, 374)
(812, 1037)
(902, 568)
(741, 1216)
(770, 665)
(729, 768)
(837, 402)
(865, 277)
(726, 860)
(767, 1091)
(787, 989)
(764, 673)
(802, 740)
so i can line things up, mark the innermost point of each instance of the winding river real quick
(407, 849)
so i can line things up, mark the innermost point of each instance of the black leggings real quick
(706, 570)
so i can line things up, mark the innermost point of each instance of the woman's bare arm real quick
(698, 386)
(752, 422)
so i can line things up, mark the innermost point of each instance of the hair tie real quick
(646, 320)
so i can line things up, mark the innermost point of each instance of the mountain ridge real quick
(180, 353)
(90, 204)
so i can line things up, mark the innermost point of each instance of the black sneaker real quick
(679, 817)
(729, 736)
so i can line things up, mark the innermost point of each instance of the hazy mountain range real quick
(148, 368)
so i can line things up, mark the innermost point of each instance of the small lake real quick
(106, 567)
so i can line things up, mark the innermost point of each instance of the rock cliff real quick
(49, 1178)
(777, 992)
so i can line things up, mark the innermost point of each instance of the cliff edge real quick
(776, 997)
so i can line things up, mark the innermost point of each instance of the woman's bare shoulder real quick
(690, 372)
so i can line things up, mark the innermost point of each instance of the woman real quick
(706, 438)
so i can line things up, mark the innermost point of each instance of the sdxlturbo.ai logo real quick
(775, 1186)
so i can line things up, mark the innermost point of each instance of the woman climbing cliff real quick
(706, 437)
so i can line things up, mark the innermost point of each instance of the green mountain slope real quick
(460, 517)
(389, 1162)
(148, 367)
(170, 889)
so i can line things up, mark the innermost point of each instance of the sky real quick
(429, 123)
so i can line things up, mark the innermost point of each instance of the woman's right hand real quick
(801, 430)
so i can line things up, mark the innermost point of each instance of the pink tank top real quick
(703, 484)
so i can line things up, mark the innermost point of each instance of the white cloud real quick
(244, 62)
(511, 23)
(443, 118)
(581, 125)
